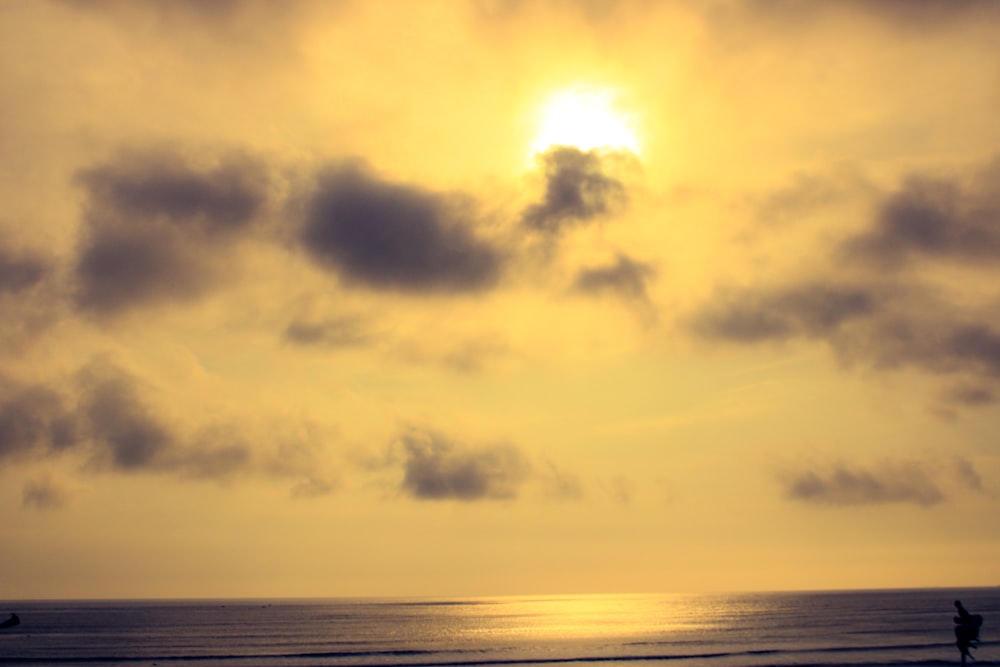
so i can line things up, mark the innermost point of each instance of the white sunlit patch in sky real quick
(586, 119)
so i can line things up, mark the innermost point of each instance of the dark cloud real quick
(931, 218)
(396, 237)
(811, 310)
(437, 469)
(123, 268)
(937, 341)
(928, 14)
(20, 271)
(902, 318)
(107, 421)
(334, 332)
(845, 486)
(976, 345)
(579, 188)
(30, 297)
(158, 229)
(128, 436)
(108, 416)
(212, 202)
(879, 326)
(626, 277)
(34, 421)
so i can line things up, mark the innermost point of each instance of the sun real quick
(587, 119)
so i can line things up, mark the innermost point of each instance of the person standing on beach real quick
(966, 630)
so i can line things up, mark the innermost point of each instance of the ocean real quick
(906, 627)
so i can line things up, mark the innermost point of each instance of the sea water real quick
(911, 627)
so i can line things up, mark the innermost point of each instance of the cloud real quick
(934, 219)
(123, 268)
(158, 229)
(30, 296)
(880, 326)
(34, 421)
(970, 394)
(899, 14)
(107, 421)
(312, 487)
(396, 237)
(626, 277)
(475, 355)
(578, 189)
(244, 23)
(109, 418)
(806, 194)
(841, 485)
(942, 321)
(215, 453)
(20, 271)
(978, 345)
(815, 309)
(967, 474)
(561, 484)
(621, 489)
(129, 438)
(212, 202)
(332, 332)
(44, 493)
(927, 14)
(930, 336)
(216, 10)
(436, 468)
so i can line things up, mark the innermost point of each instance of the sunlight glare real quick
(586, 119)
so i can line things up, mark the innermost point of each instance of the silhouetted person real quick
(11, 622)
(966, 630)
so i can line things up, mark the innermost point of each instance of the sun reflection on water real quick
(557, 628)
(570, 617)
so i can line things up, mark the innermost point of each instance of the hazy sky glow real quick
(351, 298)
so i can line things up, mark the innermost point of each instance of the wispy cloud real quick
(842, 485)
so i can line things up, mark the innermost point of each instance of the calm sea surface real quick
(845, 628)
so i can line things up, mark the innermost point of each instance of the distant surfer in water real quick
(11, 622)
(966, 630)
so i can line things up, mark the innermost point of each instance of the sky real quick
(498, 297)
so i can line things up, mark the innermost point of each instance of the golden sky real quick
(498, 297)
